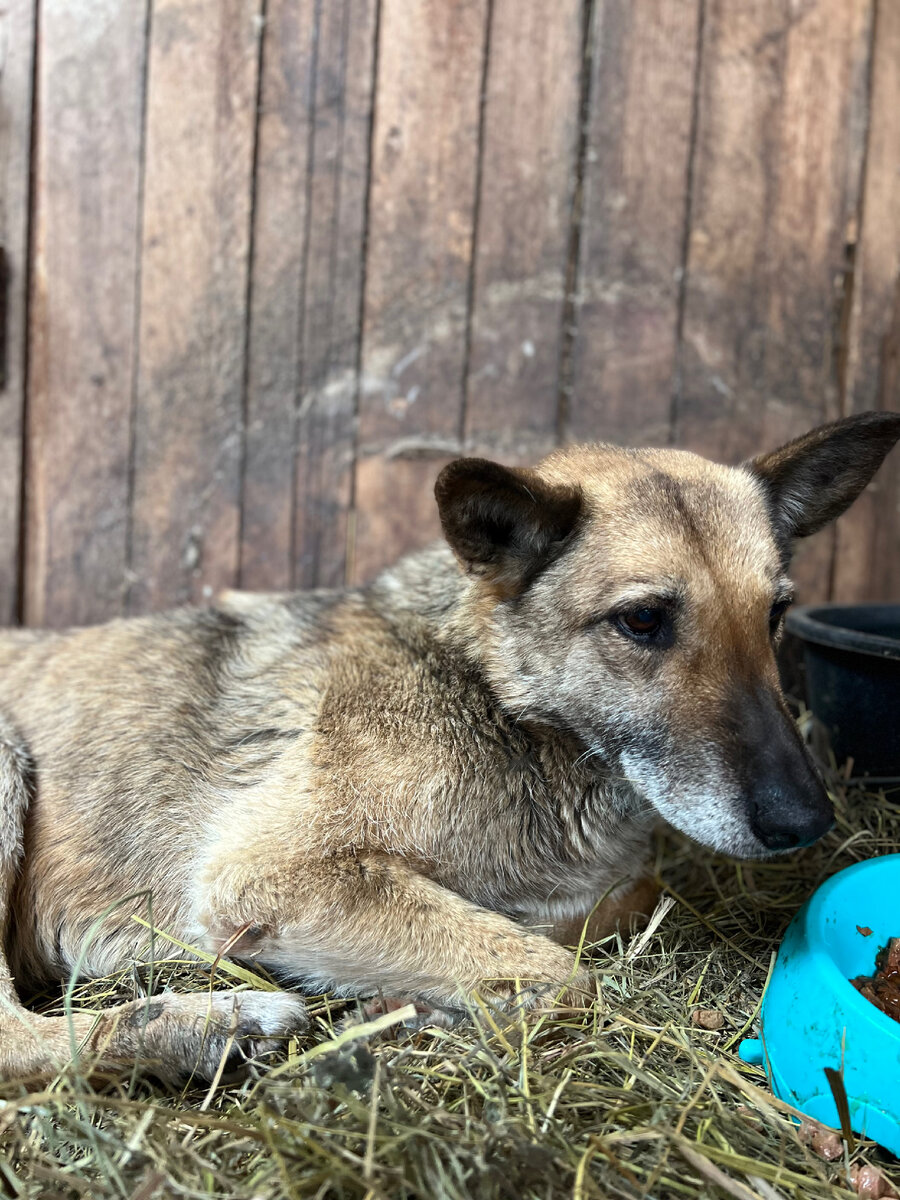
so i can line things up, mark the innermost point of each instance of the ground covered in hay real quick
(635, 1097)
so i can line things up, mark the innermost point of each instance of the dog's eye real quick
(777, 611)
(641, 623)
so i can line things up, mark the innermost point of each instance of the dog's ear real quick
(503, 523)
(812, 480)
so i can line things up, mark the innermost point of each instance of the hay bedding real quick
(642, 1095)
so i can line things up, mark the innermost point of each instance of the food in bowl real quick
(883, 988)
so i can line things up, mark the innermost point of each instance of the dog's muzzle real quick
(787, 805)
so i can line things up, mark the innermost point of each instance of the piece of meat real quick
(883, 988)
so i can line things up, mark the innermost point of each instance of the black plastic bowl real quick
(852, 657)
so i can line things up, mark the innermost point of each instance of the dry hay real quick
(630, 1098)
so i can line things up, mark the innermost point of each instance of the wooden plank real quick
(16, 30)
(425, 152)
(867, 563)
(531, 120)
(89, 104)
(201, 108)
(279, 246)
(635, 197)
(326, 431)
(775, 187)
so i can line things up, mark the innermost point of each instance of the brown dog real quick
(426, 783)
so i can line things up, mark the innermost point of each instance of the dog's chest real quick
(422, 763)
(542, 833)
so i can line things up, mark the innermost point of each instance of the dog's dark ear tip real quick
(468, 473)
(884, 416)
(504, 523)
(813, 479)
(878, 423)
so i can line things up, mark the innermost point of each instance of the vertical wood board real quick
(528, 170)
(201, 109)
(635, 200)
(331, 329)
(775, 188)
(17, 42)
(280, 223)
(867, 564)
(420, 234)
(90, 95)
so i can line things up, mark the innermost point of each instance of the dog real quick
(443, 778)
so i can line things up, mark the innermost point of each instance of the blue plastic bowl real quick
(812, 1017)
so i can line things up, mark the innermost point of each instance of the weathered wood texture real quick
(82, 320)
(288, 256)
(527, 183)
(420, 238)
(309, 224)
(644, 68)
(867, 562)
(198, 185)
(332, 312)
(775, 187)
(276, 304)
(16, 29)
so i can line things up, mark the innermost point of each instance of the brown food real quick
(821, 1140)
(869, 1182)
(707, 1018)
(883, 988)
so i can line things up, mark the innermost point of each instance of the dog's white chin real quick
(737, 843)
(713, 818)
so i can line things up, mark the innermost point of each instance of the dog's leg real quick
(367, 923)
(626, 909)
(177, 1034)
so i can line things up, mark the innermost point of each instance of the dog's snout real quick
(781, 823)
(787, 805)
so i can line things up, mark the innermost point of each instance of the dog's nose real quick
(781, 823)
(787, 805)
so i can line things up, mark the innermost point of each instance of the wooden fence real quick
(268, 263)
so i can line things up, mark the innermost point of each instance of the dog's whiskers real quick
(591, 752)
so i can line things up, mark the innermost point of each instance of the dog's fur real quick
(426, 783)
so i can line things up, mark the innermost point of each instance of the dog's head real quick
(635, 597)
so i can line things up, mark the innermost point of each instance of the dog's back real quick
(187, 693)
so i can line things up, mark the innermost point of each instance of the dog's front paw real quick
(532, 998)
(268, 1014)
(427, 1013)
(208, 1035)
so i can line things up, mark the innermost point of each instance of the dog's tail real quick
(16, 779)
